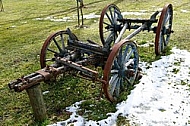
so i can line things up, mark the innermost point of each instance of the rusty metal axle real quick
(49, 73)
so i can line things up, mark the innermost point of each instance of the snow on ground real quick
(160, 99)
(86, 16)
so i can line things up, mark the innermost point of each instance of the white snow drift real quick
(160, 99)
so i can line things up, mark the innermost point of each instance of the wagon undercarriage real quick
(119, 59)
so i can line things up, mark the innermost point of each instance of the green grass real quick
(21, 39)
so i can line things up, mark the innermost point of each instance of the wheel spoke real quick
(116, 15)
(113, 83)
(59, 48)
(110, 10)
(128, 55)
(62, 42)
(114, 71)
(167, 18)
(52, 51)
(129, 62)
(109, 18)
(121, 84)
(125, 53)
(116, 64)
(106, 31)
(160, 42)
(108, 25)
(115, 36)
(117, 90)
(163, 41)
(109, 37)
(128, 80)
(120, 56)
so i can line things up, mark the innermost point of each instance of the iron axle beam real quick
(49, 73)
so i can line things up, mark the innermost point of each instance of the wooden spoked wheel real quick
(55, 46)
(164, 29)
(109, 27)
(121, 69)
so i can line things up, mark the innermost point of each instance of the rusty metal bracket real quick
(48, 72)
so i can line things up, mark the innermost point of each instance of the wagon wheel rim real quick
(121, 69)
(109, 27)
(54, 46)
(164, 29)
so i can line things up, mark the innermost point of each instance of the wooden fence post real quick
(37, 102)
(1, 5)
(78, 14)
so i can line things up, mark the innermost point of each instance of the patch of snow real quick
(24, 22)
(160, 99)
(148, 44)
(13, 26)
(143, 11)
(133, 13)
(45, 92)
(91, 16)
(184, 11)
(66, 19)
(88, 16)
(51, 18)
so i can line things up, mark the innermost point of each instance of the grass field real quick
(25, 25)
